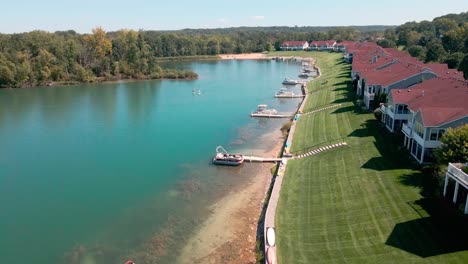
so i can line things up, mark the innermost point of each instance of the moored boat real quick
(288, 81)
(222, 157)
(262, 109)
(285, 93)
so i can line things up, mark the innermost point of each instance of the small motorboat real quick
(303, 75)
(288, 81)
(263, 109)
(285, 93)
(222, 157)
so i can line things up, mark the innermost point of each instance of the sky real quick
(82, 16)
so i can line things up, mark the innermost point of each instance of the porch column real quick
(466, 205)
(455, 194)
(422, 155)
(446, 183)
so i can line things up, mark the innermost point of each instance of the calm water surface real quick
(103, 173)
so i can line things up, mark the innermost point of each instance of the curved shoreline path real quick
(270, 215)
(270, 252)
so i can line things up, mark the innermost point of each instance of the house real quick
(295, 45)
(322, 45)
(394, 75)
(424, 111)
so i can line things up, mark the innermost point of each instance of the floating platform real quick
(272, 115)
(260, 159)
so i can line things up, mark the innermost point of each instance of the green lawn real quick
(362, 203)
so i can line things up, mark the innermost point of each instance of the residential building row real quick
(421, 100)
(325, 45)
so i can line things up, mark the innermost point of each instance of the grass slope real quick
(361, 203)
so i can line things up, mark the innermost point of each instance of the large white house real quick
(295, 45)
(424, 111)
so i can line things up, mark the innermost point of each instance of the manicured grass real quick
(361, 203)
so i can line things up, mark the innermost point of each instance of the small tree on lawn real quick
(454, 146)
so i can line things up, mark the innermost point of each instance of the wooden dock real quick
(260, 159)
(290, 96)
(272, 116)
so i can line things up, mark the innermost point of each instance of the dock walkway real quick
(260, 159)
(272, 115)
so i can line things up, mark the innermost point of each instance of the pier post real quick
(446, 183)
(466, 204)
(455, 194)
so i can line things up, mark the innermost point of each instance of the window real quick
(419, 129)
(434, 133)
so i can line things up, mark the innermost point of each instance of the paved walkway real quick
(318, 150)
(275, 192)
(321, 109)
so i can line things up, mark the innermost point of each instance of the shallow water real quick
(103, 173)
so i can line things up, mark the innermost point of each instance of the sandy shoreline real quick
(229, 234)
(244, 56)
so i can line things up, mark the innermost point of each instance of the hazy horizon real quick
(83, 16)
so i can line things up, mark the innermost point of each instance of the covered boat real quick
(288, 81)
(262, 109)
(222, 157)
(285, 93)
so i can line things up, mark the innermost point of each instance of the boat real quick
(222, 157)
(199, 92)
(285, 93)
(263, 109)
(271, 236)
(303, 75)
(288, 81)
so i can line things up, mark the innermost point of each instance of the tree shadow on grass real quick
(392, 154)
(443, 231)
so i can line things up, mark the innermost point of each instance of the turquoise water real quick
(102, 173)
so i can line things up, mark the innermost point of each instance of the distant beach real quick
(244, 56)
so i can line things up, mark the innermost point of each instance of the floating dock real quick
(272, 115)
(260, 159)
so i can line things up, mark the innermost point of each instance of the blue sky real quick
(82, 16)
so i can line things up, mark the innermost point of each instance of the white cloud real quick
(222, 20)
(257, 17)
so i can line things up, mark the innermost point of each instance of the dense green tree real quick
(454, 146)
(453, 60)
(435, 53)
(385, 43)
(417, 51)
(464, 66)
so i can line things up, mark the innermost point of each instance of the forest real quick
(42, 58)
(443, 40)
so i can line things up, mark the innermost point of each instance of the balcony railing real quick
(406, 128)
(458, 173)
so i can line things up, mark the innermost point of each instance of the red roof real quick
(439, 100)
(391, 74)
(293, 43)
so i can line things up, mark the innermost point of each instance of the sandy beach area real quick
(229, 234)
(244, 56)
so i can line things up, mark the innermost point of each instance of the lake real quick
(105, 172)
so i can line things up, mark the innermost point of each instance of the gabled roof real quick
(391, 74)
(360, 66)
(439, 100)
(293, 43)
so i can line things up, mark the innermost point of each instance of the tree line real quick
(443, 40)
(40, 57)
